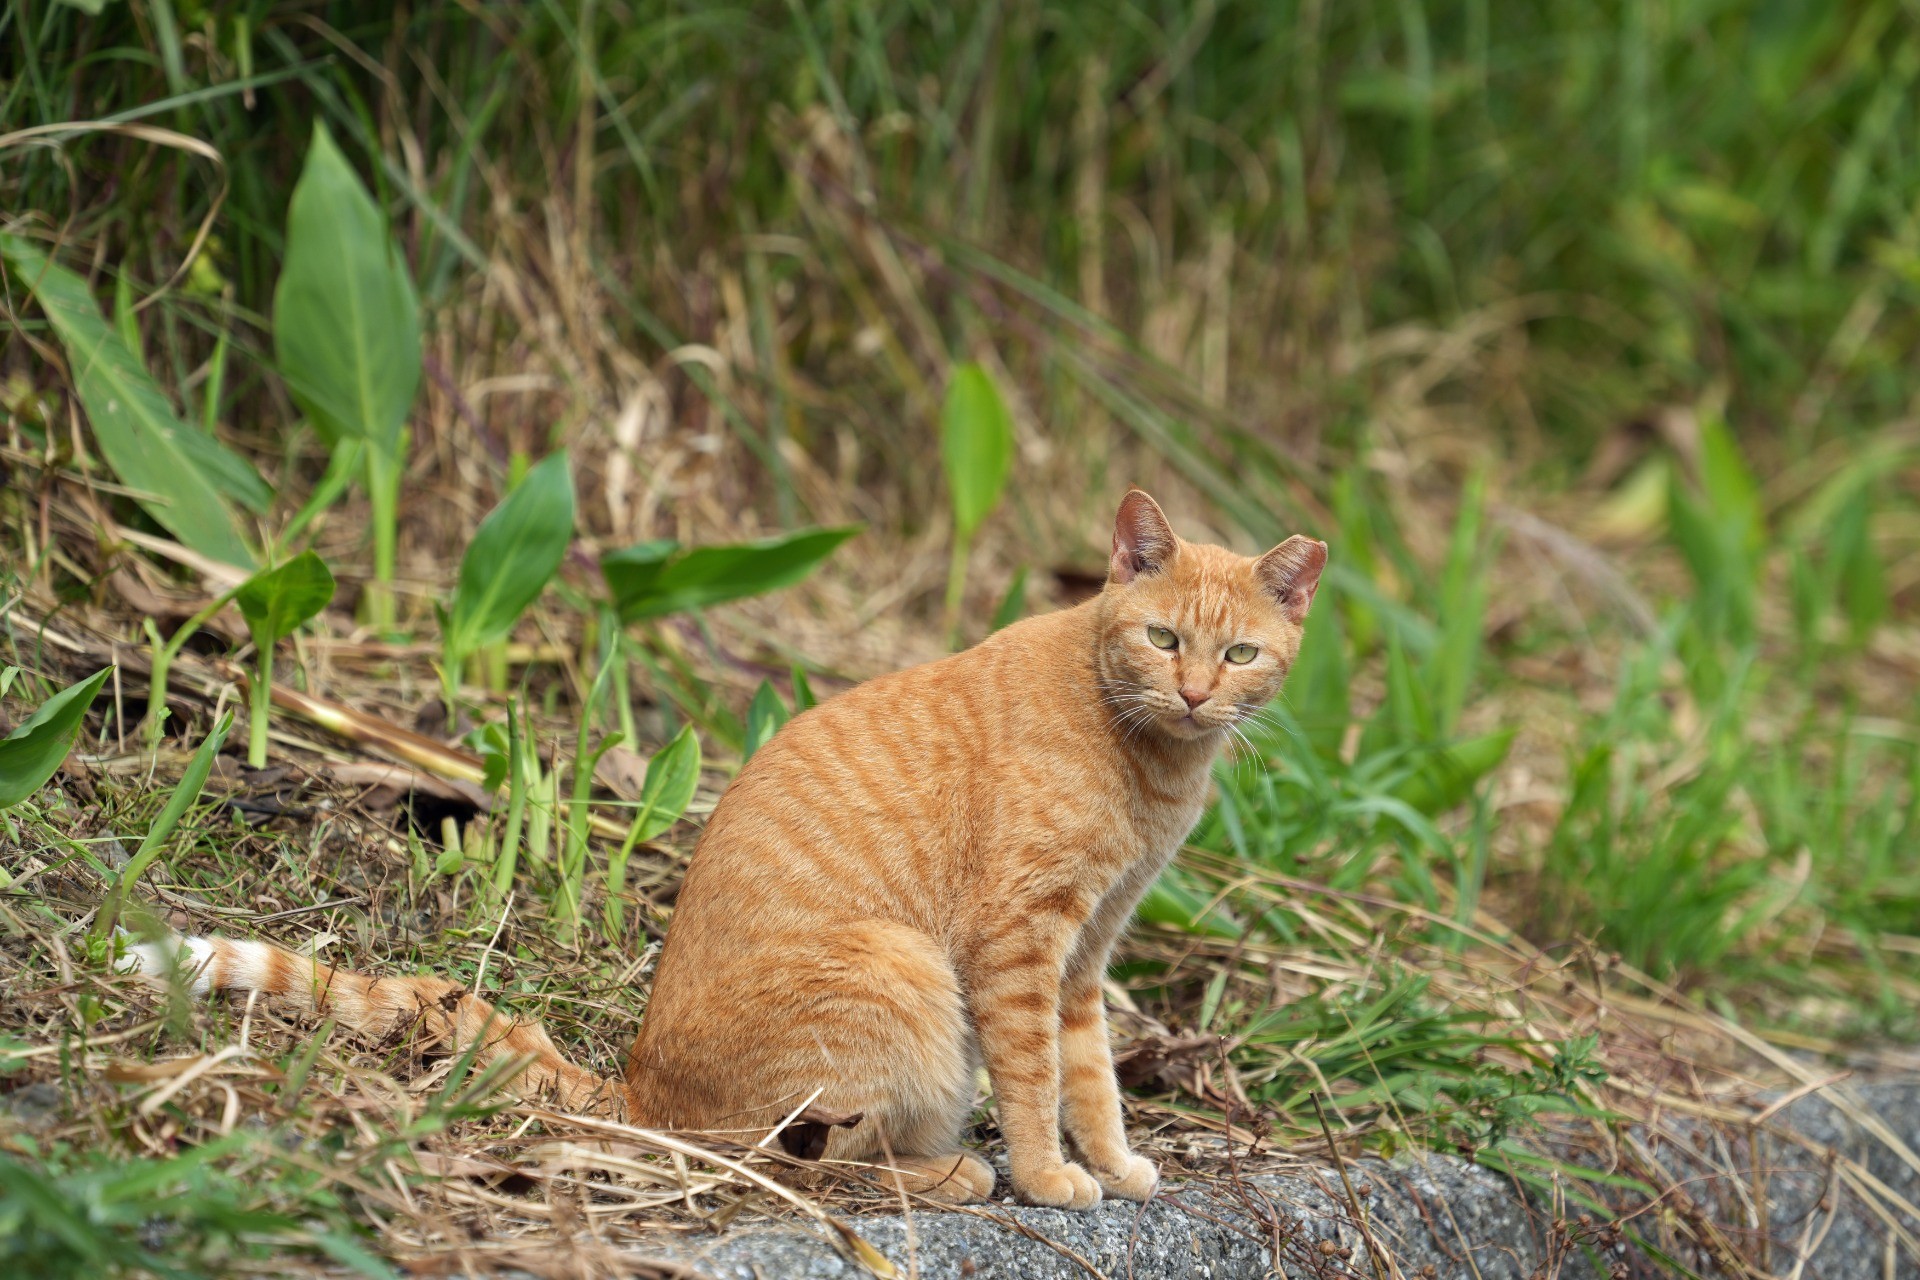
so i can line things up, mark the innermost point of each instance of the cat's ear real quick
(1291, 574)
(1143, 541)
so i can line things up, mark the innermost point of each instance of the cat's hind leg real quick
(900, 1052)
(855, 1016)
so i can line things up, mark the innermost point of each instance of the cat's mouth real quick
(1189, 726)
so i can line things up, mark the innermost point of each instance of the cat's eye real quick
(1163, 638)
(1242, 653)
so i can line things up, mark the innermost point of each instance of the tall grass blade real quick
(184, 794)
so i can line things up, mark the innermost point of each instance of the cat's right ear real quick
(1143, 541)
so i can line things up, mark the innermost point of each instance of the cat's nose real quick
(1194, 697)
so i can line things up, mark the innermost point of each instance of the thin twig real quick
(1359, 1212)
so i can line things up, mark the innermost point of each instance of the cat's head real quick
(1194, 638)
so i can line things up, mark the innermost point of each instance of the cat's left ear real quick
(1291, 574)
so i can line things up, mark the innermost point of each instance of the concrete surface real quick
(1434, 1212)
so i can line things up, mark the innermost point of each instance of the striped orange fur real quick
(927, 872)
(442, 1014)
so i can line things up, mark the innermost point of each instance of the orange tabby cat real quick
(922, 873)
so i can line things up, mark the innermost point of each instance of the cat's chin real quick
(1187, 729)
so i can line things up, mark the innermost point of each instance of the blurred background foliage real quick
(1656, 197)
(1583, 330)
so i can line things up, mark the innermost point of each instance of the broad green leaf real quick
(125, 322)
(633, 575)
(346, 324)
(976, 445)
(672, 775)
(516, 550)
(276, 601)
(764, 718)
(654, 579)
(30, 754)
(185, 477)
(229, 472)
(1013, 605)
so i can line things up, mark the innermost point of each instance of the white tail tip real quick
(155, 961)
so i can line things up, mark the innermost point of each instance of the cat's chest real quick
(1161, 823)
(1153, 818)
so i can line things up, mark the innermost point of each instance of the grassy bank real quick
(1581, 335)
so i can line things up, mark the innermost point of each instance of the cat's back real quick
(1021, 695)
(901, 777)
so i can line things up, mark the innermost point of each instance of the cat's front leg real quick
(1013, 992)
(1091, 1094)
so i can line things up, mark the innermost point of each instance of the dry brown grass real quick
(315, 851)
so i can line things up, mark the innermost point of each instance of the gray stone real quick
(1463, 1221)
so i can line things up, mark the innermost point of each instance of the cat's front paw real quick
(1064, 1186)
(1134, 1180)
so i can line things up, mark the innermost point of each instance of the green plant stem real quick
(509, 854)
(163, 656)
(573, 863)
(153, 724)
(573, 859)
(614, 915)
(260, 698)
(623, 687)
(573, 852)
(543, 802)
(956, 585)
(383, 493)
(449, 668)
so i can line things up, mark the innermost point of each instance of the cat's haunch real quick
(924, 873)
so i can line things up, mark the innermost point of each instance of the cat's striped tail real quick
(441, 1012)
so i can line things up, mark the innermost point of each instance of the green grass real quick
(69, 1213)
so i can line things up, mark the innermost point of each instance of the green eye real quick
(1163, 638)
(1242, 653)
